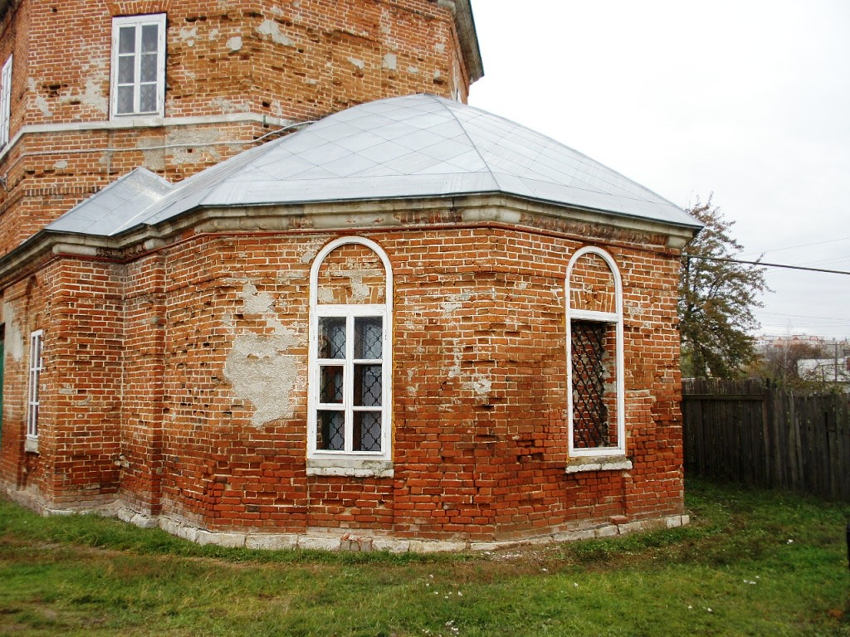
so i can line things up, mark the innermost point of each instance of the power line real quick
(767, 265)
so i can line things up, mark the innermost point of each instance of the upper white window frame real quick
(615, 318)
(350, 311)
(36, 366)
(5, 101)
(138, 21)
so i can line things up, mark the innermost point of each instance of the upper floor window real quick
(35, 369)
(350, 359)
(138, 65)
(5, 101)
(594, 294)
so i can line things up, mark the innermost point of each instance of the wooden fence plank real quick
(762, 434)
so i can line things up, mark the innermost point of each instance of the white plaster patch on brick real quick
(437, 74)
(234, 43)
(14, 343)
(359, 290)
(40, 101)
(480, 385)
(254, 302)
(259, 366)
(390, 61)
(200, 136)
(325, 295)
(67, 390)
(224, 105)
(310, 81)
(60, 165)
(262, 372)
(413, 69)
(357, 62)
(272, 29)
(188, 35)
(440, 47)
(154, 159)
(213, 34)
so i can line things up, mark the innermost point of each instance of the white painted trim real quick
(34, 370)
(138, 21)
(604, 317)
(350, 311)
(5, 101)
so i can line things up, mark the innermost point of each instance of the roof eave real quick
(465, 26)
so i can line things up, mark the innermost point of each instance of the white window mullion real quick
(348, 384)
(5, 101)
(137, 71)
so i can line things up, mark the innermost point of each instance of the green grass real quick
(752, 562)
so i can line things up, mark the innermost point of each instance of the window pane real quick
(125, 99)
(332, 337)
(367, 431)
(148, 98)
(594, 400)
(127, 39)
(367, 385)
(331, 385)
(149, 67)
(126, 70)
(330, 426)
(368, 333)
(149, 37)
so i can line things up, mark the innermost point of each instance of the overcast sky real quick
(748, 100)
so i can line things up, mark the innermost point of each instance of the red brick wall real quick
(291, 61)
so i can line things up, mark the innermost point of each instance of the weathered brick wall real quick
(479, 386)
(290, 61)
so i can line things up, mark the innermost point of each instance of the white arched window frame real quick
(609, 318)
(347, 460)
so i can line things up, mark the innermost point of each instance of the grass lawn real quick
(752, 562)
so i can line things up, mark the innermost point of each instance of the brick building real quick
(268, 281)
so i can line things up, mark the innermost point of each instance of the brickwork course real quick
(175, 387)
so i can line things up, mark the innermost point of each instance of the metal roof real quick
(405, 147)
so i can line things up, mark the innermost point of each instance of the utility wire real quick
(767, 265)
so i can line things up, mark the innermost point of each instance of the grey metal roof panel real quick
(101, 213)
(413, 146)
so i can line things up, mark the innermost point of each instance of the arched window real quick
(594, 294)
(350, 383)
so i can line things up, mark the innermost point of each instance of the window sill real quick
(31, 444)
(599, 463)
(348, 466)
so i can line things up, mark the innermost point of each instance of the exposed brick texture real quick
(175, 378)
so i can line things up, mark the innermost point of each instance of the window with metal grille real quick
(595, 354)
(138, 65)
(350, 369)
(35, 369)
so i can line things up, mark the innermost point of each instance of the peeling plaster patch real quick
(188, 35)
(437, 74)
(440, 47)
(272, 29)
(356, 62)
(67, 390)
(234, 43)
(254, 302)
(60, 165)
(93, 95)
(258, 366)
(413, 69)
(213, 35)
(391, 61)
(40, 101)
(14, 342)
(260, 371)
(154, 159)
(359, 291)
(224, 105)
(200, 136)
(480, 385)
(325, 295)
(311, 251)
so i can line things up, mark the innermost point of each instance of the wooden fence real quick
(755, 432)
